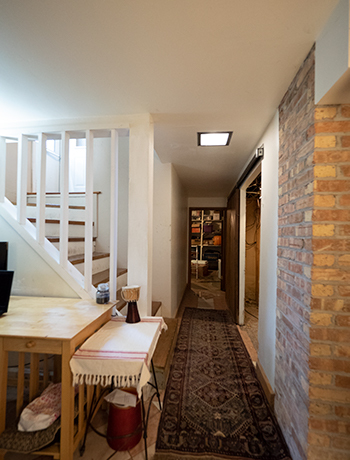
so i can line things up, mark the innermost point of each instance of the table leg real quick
(3, 384)
(145, 423)
(156, 385)
(67, 406)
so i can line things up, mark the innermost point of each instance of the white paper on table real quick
(121, 398)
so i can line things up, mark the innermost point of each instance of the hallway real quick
(214, 405)
(206, 293)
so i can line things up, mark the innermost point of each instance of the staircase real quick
(76, 242)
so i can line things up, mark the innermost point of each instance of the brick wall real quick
(313, 298)
(294, 283)
(329, 421)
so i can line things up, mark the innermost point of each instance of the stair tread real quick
(103, 277)
(120, 304)
(80, 258)
(56, 239)
(166, 344)
(57, 221)
(54, 205)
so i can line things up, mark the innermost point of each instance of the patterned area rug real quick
(214, 406)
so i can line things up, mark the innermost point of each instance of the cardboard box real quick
(202, 268)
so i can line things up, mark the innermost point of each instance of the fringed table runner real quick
(120, 351)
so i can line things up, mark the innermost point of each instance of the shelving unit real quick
(206, 235)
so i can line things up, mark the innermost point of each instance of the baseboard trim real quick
(269, 393)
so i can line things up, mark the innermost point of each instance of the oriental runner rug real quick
(214, 406)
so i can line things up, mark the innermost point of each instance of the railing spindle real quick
(114, 216)
(41, 189)
(22, 173)
(88, 211)
(64, 198)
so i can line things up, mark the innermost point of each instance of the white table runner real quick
(120, 351)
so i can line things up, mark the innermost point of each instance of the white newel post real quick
(140, 229)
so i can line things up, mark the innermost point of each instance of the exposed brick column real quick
(329, 423)
(313, 299)
(296, 175)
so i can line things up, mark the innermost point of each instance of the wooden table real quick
(49, 325)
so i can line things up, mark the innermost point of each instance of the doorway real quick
(250, 256)
(206, 251)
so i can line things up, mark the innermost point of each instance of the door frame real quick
(223, 236)
(242, 240)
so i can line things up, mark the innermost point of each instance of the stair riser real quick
(75, 247)
(74, 200)
(74, 231)
(122, 280)
(54, 213)
(98, 265)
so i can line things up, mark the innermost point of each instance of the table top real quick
(118, 350)
(49, 317)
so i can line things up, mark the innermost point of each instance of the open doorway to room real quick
(250, 256)
(206, 239)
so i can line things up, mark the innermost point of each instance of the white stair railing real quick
(61, 256)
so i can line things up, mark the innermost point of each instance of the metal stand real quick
(145, 416)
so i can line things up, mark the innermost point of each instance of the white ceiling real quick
(195, 65)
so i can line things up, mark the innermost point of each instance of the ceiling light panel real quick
(214, 139)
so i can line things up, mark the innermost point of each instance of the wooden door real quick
(232, 254)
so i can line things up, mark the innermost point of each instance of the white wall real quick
(11, 172)
(140, 231)
(169, 238)
(332, 73)
(179, 246)
(33, 276)
(203, 202)
(162, 235)
(268, 250)
(123, 201)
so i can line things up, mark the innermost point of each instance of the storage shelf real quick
(207, 229)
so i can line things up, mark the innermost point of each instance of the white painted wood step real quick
(75, 199)
(52, 227)
(75, 245)
(76, 213)
(100, 262)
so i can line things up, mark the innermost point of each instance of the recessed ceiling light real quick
(214, 139)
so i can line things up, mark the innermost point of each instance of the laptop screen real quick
(6, 277)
